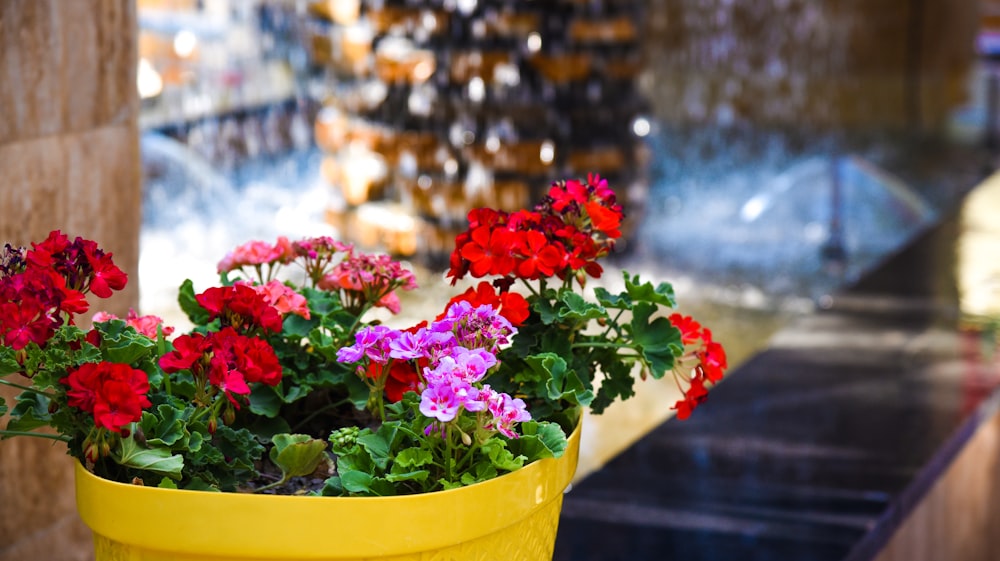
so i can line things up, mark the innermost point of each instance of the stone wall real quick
(69, 159)
(828, 63)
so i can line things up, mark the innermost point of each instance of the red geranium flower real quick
(24, 323)
(604, 219)
(511, 305)
(240, 306)
(572, 192)
(256, 359)
(694, 396)
(713, 360)
(689, 328)
(541, 258)
(489, 251)
(106, 277)
(114, 393)
(188, 350)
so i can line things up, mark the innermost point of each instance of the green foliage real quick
(122, 344)
(8, 362)
(30, 413)
(189, 305)
(397, 458)
(296, 454)
(569, 345)
(157, 460)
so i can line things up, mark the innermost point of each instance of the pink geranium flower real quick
(284, 298)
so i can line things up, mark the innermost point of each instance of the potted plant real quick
(315, 422)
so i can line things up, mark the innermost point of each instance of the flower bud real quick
(228, 416)
(53, 407)
(466, 439)
(91, 452)
(213, 424)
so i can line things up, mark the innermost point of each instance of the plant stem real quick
(531, 288)
(270, 486)
(59, 437)
(601, 345)
(26, 388)
(449, 459)
(613, 325)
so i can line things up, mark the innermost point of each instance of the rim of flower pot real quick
(256, 526)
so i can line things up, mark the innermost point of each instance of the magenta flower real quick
(373, 341)
(439, 402)
(479, 327)
(409, 346)
(506, 411)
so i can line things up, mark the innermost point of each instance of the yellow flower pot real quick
(513, 517)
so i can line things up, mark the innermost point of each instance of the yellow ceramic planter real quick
(513, 517)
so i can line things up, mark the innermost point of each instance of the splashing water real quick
(193, 215)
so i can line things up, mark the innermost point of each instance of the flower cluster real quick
(562, 239)
(446, 362)
(115, 394)
(287, 372)
(43, 288)
(576, 225)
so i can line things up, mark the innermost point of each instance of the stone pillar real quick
(69, 159)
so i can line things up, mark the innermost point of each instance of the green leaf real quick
(156, 460)
(8, 362)
(239, 446)
(30, 413)
(502, 458)
(662, 294)
(297, 454)
(356, 481)
(483, 471)
(265, 428)
(298, 326)
(657, 339)
(548, 313)
(579, 310)
(3, 406)
(167, 483)
(123, 344)
(416, 475)
(617, 384)
(561, 382)
(195, 441)
(377, 447)
(190, 306)
(332, 487)
(540, 440)
(413, 457)
(619, 301)
(448, 485)
(265, 400)
(165, 427)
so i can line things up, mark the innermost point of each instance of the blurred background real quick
(794, 142)
(767, 152)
